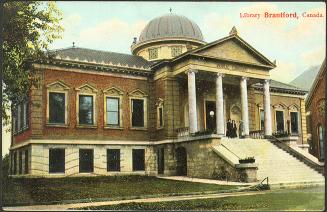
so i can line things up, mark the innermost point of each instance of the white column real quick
(245, 108)
(193, 119)
(220, 105)
(267, 110)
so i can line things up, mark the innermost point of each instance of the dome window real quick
(176, 50)
(153, 53)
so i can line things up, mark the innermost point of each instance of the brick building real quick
(156, 111)
(316, 114)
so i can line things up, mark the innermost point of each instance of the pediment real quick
(236, 49)
(159, 102)
(113, 91)
(86, 88)
(280, 106)
(137, 93)
(294, 107)
(58, 85)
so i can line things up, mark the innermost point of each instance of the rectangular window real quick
(160, 111)
(86, 109)
(262, 119)
(56, 108)
(176, 50)
(138, 160)
(19, 119)
(280, 121)
(16, 121)
(153, 54)
(137, 113)
(294, 123)
(20, 162)
(113, 160)
(112, 111)
(26, 161)
(86, 160)
(15, 163)
(56, 160)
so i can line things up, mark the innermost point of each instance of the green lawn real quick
(62, 190)
(288, 199)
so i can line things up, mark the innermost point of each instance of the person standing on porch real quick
(234, 129)
(229, 129)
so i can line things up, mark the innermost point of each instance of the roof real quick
(101, 57)
(170, 26)
(276, 86)
(314, 86)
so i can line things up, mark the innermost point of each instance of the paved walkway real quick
(208, 181)
(157, 199)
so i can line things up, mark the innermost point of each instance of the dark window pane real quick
(56, 160)
(280, 121)
(138, 160)
(56, 108)
(137, 113)
(160, 117)
(21, 116)
(20, 163)
(86, 109)
(15, 163)
(27, 114)
(113, 160)
(26, 162)
(294, 122)
(85, 160)
(113, 111)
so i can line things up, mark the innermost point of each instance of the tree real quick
(28, 29)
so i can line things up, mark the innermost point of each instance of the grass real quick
(29, 191)
(288, 199)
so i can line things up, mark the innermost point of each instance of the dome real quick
(171, 26)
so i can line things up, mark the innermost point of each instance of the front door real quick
(210, 115)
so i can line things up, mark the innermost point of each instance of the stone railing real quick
(257, 134)
(182, 132)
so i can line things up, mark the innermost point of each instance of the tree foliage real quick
(28, 29)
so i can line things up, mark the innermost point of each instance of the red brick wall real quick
(316, 118)
(100, 82)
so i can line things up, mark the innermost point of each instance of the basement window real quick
(56, 160)
(113, 160)
(138, 160)
(86, 160)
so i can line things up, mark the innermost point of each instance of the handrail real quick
(231, 151)
(297, 154)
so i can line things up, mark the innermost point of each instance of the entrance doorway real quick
(210, 115)
(161, 160)
(181, 161)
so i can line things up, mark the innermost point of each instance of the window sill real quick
(139, 128)
(160, 128)
(113, 128)
(57, 125)
(21, 131)
(87, 126)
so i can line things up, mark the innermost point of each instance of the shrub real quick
(247, 160)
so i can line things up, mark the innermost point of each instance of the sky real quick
(295, 44)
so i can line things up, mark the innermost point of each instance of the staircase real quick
(273, 162)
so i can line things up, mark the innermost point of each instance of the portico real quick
(219, 101)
